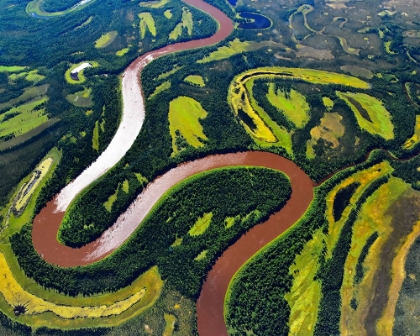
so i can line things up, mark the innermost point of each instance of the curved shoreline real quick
(210, 304)
(133, 106)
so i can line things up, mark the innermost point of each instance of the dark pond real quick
(233, 2)
(253, 21)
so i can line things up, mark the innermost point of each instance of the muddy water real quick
(210, 303)
(133, 107)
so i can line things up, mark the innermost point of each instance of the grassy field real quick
(47, 308)
(305, 294)
(201, 225)
(236, 47)
(29, 93)
(256, 121)
(169, 73)
(195, 80)
(23, 118)
(95, 136)
(126, 186)
(168, 14)
(370, 113)
(108, 204)
(328, 103)
(122, 52)
(331, 130)
(12, 68)
(29, 188)
(292, 104)
(80, 98)
(154, 4)
(13, 224)
(415, 139)
(364, 178)
(147, 23)
(80, 74)
(186, 22)
(374, 217)
(162, 87)
(170, 321)
(106, 39)
(30, 76)
(268, 132)
(184, 121)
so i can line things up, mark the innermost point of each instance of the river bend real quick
(210, 303)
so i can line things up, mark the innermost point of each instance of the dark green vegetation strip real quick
(342, 199)
(360, 272)
(331, 272)
(228, 193)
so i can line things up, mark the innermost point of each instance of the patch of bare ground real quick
(321, 54)
(404, 213)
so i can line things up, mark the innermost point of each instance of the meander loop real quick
(210, 303)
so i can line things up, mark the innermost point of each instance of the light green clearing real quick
(328, 103)
(387, 46)
(80, 74)
(147, 23)
(154, 4)
(176, 32)
(229, 221)
(201, 256)
(13, 224)
(171, 72)
(141, 178)
(169, 324)
(89, 112)
(34, 8)
(381, 119)
(80, 98)
(292, 104)
(95, 136)
(168, 14)
(415, 139)
(31, 76)
(184, 117)
(108, 204)
(280, 135)
(126, 186)
(236, 47)
(12, 68)
(305, 294)
(85, 23)
(162, 87)
(26, 119)
(201, 225)
(122, 52)
(187, 22)
(106, 39)
(28, 188)
(195, 80)
(31, 92)
(102, 125)
(177, 242)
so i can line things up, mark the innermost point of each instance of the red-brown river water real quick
(210, 304)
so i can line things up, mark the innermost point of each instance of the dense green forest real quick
(248, 194)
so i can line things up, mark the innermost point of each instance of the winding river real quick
(210, 303)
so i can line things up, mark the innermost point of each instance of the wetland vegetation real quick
(331, 85)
